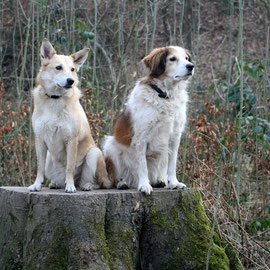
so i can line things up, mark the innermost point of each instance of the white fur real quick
(157, 124)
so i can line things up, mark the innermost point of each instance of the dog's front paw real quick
(54, 185)
(159, 184)
(87, 187)
(35, 187)
(175, 185)
(146, 188)
(70, 188)
(122, 185)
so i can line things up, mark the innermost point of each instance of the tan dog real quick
(65, 148)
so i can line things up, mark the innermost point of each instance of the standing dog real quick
(65, 148)
(143, 149)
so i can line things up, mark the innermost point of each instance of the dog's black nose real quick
(190, 67)
(70, 81)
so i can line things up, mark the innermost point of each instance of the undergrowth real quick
(225, 150)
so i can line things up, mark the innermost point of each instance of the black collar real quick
(161, 93)
(52, 96)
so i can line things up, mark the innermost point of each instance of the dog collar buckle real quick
(52, 96)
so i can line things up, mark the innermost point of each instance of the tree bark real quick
(106, 229)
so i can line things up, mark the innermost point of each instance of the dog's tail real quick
(101, 173)
(111, 171)
(97, 163)
(110, 154)
(95, 170)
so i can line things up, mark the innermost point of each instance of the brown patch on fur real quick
(156, 61)
(101, 174)
(123, 130)
(111, 171)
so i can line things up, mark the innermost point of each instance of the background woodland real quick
(225, 150)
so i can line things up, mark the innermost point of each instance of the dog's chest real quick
(170, 115)
(54, 127)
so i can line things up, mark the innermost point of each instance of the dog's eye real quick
(188, 58)
(59, 67)
(72, 69)
(173, 59)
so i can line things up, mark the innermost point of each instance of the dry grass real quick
(225, 150)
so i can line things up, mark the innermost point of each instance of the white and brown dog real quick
(142, 153)
(66, 151)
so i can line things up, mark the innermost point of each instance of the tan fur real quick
(64, 144)
(101, 173)
(111, 171)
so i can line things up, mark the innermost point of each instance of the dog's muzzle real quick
(190, 68)
(69, 83)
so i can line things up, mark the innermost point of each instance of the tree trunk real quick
(106, 229)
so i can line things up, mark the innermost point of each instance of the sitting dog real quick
(143, 149)
(66, 151)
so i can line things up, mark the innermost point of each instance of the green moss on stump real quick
(58, 251)
(198, 228)
(120, 246)
(114, 243)
(102, 243)
(189, 221)
(127, 237)
(158, 219)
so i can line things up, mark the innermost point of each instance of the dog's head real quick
(59, 71)
(173, 62)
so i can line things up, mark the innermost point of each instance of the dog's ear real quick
(80, 57)
(156, 61)
(189, 55)
(46, 51)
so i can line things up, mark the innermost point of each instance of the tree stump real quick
(107, 229)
